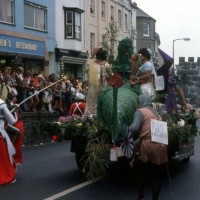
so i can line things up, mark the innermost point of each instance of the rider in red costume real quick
(7, 166)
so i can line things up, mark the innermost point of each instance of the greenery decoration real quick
(110, 40)
(96, 158)
(126, 105)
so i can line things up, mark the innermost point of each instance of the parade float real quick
(104, 141)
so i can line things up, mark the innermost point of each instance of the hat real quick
(165, 56)
(79, 97)
(40, 76)
(95, 50)
(21, 69)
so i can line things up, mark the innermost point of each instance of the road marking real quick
(65, 192)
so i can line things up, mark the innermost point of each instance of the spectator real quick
(34, 100)
(24, 86)
(58, 106)
(19, 79)
(5, 89)
(47, 98)
(78, 107)
(36, 85)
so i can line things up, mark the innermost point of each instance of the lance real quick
(36, 93)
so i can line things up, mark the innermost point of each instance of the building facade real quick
(146, 31)
(59, 36)
(81, 26)
(70, 50)
(27, 34)
(100, 13)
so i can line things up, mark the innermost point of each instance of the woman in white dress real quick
(99, 71)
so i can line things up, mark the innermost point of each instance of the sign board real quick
(159, 83)
(159, 132)
(21, 45)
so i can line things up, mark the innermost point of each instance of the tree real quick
(110, 40)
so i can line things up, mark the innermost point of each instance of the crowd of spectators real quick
(56, 98)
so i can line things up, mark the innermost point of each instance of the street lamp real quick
(185, 39)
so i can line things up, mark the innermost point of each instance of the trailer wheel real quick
(126, 141)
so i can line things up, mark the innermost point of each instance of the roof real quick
(141, 13)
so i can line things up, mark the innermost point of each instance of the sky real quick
(175, 19)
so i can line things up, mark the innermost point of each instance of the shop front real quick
(71, 62)
(27, 53)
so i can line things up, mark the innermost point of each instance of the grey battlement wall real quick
(188, 72)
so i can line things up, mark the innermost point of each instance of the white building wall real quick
(92, 23)
(61, 42)
(96, 24)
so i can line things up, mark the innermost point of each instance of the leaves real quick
(97, 155)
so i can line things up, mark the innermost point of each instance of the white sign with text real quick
(159, 132)
(159, 83)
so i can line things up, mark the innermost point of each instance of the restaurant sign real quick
(21, 45)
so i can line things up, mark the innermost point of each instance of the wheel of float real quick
(126, 141)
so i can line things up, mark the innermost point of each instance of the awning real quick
(71, 56)
(73, 60)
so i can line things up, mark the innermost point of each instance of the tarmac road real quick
(50, 171)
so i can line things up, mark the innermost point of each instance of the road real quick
(49, 171)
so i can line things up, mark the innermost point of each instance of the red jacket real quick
(77, 108)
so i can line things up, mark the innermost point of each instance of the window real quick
(92, 42)
(103, 43)
(146, 29)
(103, 39)
(111, 12)
(126, 21)
(69, 24)
(120, 18)
(7, 11)
(73, 24)
(92, 7)
(77, 25)
(103, 9)
(35, 16)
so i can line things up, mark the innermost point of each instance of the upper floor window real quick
(103, 9)
(103, 43)
(73, 23)
(92, 7)
(146, 29)
(35, 16)
(112, 12)
(7, 11)
(126, 21)
(120, 18)
(92, 42)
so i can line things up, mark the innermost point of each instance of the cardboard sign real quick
(159, 83)
(159, 132)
